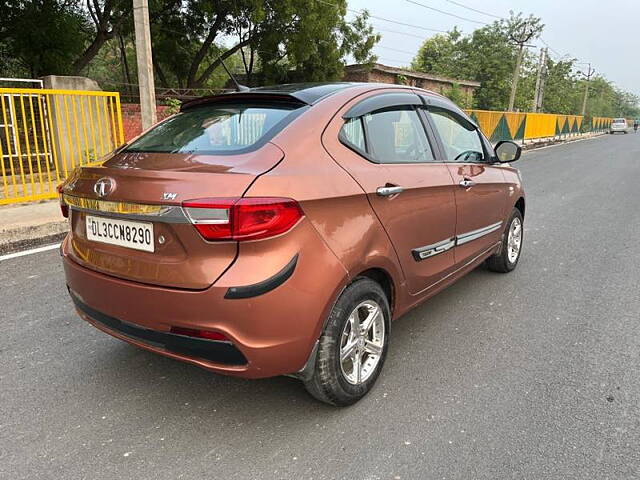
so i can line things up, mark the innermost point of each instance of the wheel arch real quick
(385, 280)
(520, 205)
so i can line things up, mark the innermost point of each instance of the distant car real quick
(279, 231)
(619, 125)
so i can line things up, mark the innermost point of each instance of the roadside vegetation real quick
(278, 41)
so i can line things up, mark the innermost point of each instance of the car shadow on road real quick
(152, 383)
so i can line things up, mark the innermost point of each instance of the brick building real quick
(385, 74)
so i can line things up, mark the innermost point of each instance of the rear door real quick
(385, 147)
(480, 191)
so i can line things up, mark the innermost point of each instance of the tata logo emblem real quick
(169, 196)
(104, 186)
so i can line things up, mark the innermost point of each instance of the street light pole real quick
(145, 63)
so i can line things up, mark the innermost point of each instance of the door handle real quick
(388, 191)
(466, 183)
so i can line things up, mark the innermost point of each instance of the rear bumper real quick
(271, 334)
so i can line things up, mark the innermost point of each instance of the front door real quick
(480, 186)
(388, 153)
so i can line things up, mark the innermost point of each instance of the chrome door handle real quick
(467, 183)
(388, 191)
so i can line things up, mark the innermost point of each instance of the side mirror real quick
(507, 151)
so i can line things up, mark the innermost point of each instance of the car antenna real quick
(239, 88)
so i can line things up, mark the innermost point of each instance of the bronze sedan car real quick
(279, 231)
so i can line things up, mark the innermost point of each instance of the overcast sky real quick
(603, 33)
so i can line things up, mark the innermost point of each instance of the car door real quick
(481, 189)
(386, 149)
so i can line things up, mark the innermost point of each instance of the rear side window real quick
(217, 129)
(397, 136)
(352, 133)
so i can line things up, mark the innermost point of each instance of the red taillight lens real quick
(206, 334)
(64, 208)
(239, 219)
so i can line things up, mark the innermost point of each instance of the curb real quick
(32, 236)
(549, 143)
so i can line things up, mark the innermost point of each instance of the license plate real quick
(125, 233)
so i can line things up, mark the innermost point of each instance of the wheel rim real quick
(362, 342)
(514, 240)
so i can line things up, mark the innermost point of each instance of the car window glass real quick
(352, 133)
(460, 143)
(214, 129)
(397, 136)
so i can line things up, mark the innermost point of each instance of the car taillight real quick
(206, 334)
(64, 208)
(240, 219)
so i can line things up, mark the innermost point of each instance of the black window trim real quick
(382, 101)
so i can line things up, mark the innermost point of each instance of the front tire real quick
(353, 346)
(507, 258)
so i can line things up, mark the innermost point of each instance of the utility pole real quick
(522, 30)
(537, 97)
(145, 63)
(589, 73)
(543, 82)
(516, 77)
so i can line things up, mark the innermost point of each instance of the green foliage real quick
(457, 96)
(173, 104)
(41, 37)
(488, 55)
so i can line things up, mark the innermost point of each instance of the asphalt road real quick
(531, 375)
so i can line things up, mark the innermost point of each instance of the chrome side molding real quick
(475, 234)
(422, 253)
(434, 249)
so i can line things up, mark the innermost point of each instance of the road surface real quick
(530, 375)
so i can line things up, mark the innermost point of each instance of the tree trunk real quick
(204, 49)
(90, 53)
(125, 64)
(215, 64)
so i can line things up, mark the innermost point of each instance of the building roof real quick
(409, 73)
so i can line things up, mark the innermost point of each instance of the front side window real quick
(397, 136)
(212, 129)
(461, 143)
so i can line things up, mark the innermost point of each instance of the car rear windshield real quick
(217, 129)
(619, 120)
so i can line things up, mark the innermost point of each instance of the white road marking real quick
(30, 251)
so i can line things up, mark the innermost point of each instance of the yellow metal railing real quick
(528, 126)
(45, 134)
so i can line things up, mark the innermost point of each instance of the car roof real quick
(307, 93)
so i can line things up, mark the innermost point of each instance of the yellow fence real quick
(527, 126)
(44, 134)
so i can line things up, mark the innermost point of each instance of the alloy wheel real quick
(362, 342)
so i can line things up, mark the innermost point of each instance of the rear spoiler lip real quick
(243, 96)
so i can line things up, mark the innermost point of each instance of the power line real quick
(474, 9)
(397, 50)
(402, 33)
(446, 13)
(377, 17)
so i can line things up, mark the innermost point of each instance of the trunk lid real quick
(141, 184)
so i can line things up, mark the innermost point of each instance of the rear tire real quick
(337, 381)
(507, 258)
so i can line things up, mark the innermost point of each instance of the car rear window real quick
(217, 129)
(619, 120)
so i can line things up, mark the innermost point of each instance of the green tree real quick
(485, 56)
(41, 37)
